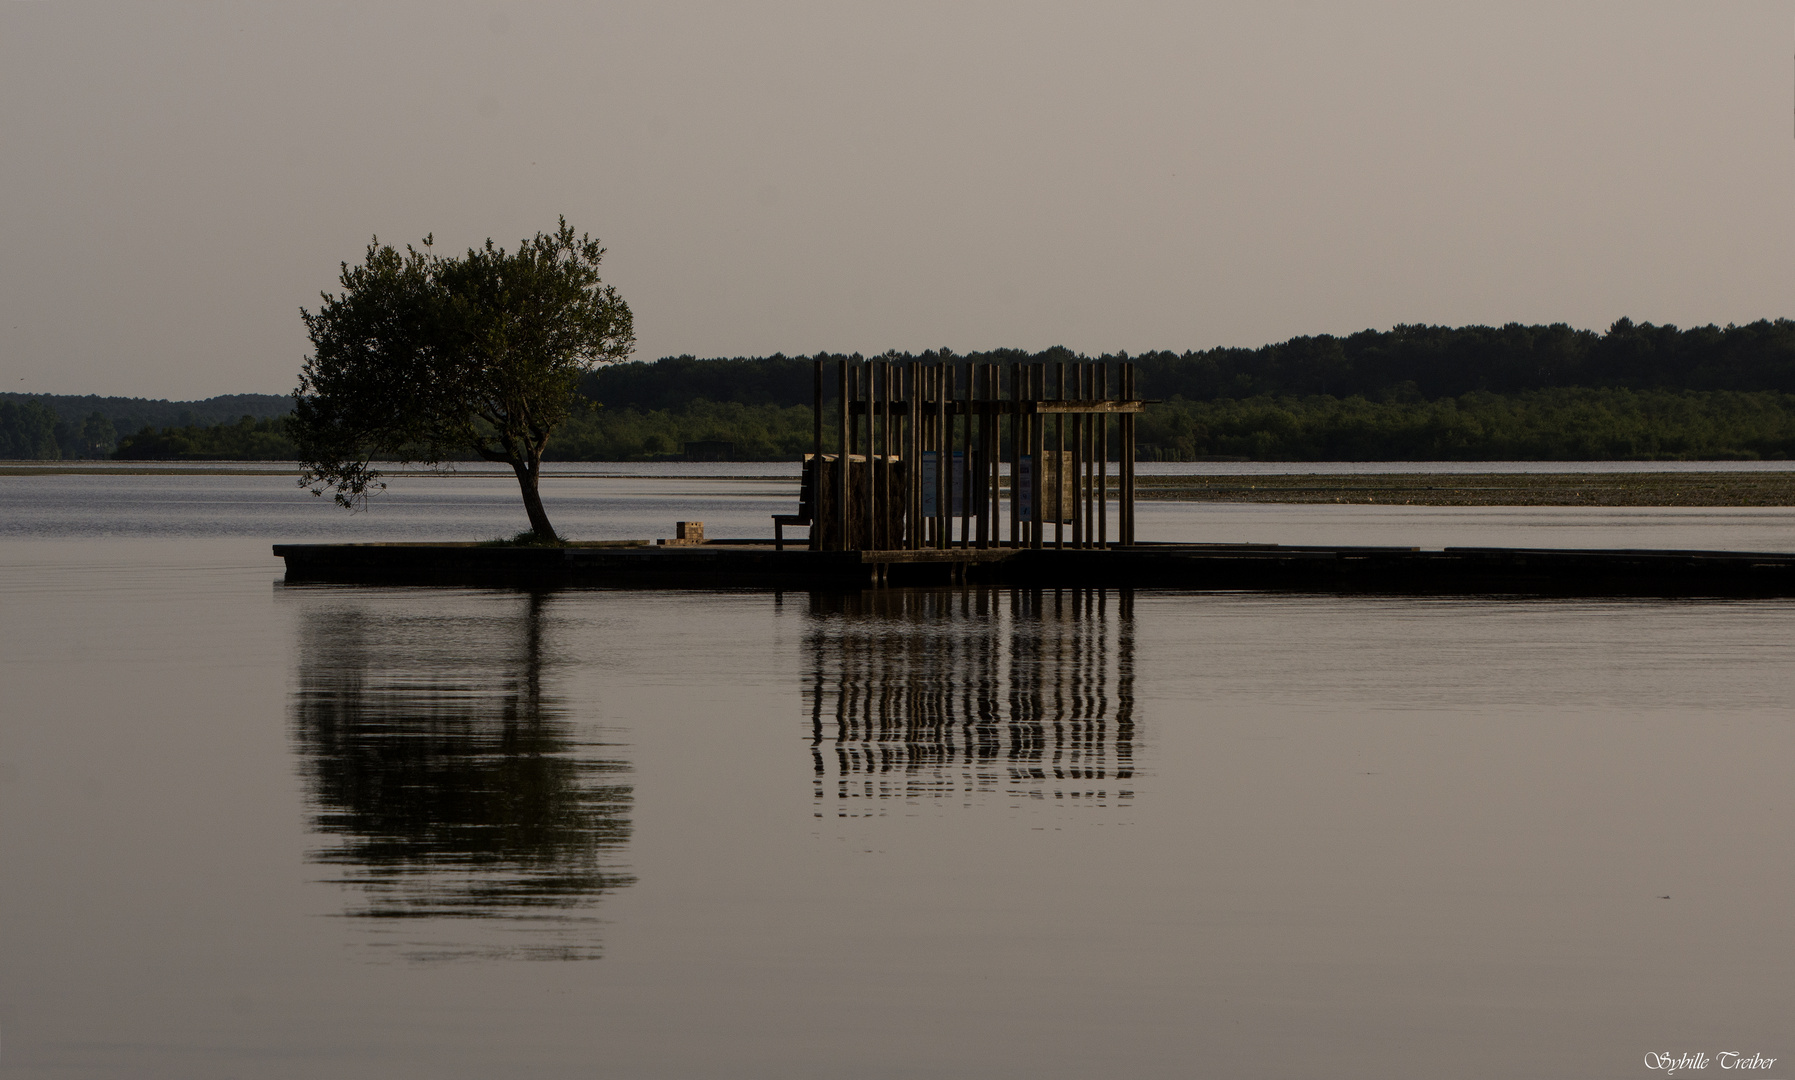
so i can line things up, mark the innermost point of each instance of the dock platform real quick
(746, 564)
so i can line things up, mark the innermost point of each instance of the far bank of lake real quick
(1436, 483)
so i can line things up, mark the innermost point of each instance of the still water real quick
(255, 830)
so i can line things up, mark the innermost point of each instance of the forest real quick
(1636, 391)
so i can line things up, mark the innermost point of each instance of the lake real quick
(258, 830)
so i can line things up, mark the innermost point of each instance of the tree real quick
(98, 434)
(28, 431)
(422, 357)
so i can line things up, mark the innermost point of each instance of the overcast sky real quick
(177, 180)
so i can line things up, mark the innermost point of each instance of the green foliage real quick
(1544, 425)
(673, 382)
(1411, 393)
(28, 431)
(1566, 424)
(133, 414)
(1432, 362)
(446, 356)
(98, 435)
(759, 432)
(1418, 363)
(248, 439)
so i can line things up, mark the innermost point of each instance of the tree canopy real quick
(425, 357)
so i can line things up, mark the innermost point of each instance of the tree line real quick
(32, 431)
(1562, 424)
(1405, 363)
(1410, 393)
(51, 426)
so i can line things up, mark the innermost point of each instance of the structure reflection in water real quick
(449, 779)
(971, 694)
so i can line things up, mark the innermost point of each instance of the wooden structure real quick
(921, 447)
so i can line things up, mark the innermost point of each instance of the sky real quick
(177, 180)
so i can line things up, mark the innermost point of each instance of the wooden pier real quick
(1219, 567)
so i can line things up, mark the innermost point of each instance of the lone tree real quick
(424, 357)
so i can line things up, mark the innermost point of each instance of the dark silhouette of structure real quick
(920, 445)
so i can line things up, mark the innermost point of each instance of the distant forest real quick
(52, 426)
(1410, 393)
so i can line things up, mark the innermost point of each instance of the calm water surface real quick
(254, 830)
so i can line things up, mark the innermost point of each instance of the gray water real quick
(258, 830)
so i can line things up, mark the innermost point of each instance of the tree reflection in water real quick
(940, 694)
(452, 785)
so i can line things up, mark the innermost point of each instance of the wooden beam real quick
(1088, 407)
(843, 446)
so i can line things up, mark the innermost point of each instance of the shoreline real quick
(1667, 489)
(1670, 488)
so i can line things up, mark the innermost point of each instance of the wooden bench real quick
(806, 505)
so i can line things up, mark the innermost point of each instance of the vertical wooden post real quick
(1128, 419)
(922, 452)
(867, 487)
(816, 455)
(994, 463)
(1103, 459)
(888, 446)
(852, 446)
(1037, 449)
(930, 391)
(816, 410)
(914, 529)
(842, 447)
(906, 391)
(987, 498)
(883, 515)
(1059, 454)
(966, 460)
(925, 376)
(1037, 443)
(1075, 456)
(1015, 455)
(1078, 456)
(876, 435)
(1126, 454)
(1091, 451)
(942, 411)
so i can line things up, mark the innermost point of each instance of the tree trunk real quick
(527, 474)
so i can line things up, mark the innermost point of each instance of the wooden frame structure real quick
(922, 445)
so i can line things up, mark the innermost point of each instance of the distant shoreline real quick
(1613, 489)
(1691, 489)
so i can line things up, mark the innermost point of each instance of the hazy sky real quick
(176, 180)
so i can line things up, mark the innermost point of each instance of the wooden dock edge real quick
(1217, 567)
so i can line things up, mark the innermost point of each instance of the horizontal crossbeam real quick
(987, 407)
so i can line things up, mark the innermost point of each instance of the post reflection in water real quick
(450, 781)
(973, 694)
